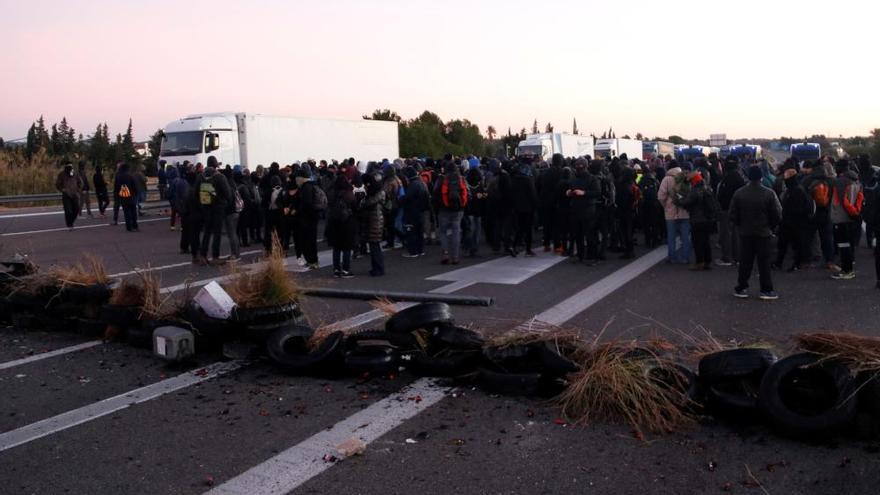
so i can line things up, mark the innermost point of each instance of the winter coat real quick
(415, 201)
(548, 186)
(847, 191)
(524, 194)
(69, 184)
(85, 180)
(584, 206)
(100, 183)
(819, 175)
(140, 182)
(375, 219)
(125, 178)
(671, 211)
(698, 204)
(871, 208)
(755, 210)
(731, 181)
(223, 197)
(797, 206)
(341, 233)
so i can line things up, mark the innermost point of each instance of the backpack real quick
(124, 192)
(237, 201)
(711, 205)
(853, 207)
(649, 188)
(820, 191)
(273, 197)
(341, 210)
(206, 193)
(453, 193)
(680, 190)
(319, 199)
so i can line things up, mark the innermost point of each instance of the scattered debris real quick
(350, 447)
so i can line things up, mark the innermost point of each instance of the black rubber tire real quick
(425, 315)
(829, 388)
(734, 363)
(496, 382)
(403, 342)
(90, 328)
(83, 294)
(268, 314)
(449, 365)
(457, 337)
(259, 333)
(552, 361)
(869, 393)
(735, 400)
(514, 358)
(679, 380)
(120, 316)
(277, 346)
(374, 360)
(207, 327)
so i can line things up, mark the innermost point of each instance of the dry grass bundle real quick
(385, 306)
(537, 332)
(89, 271)
(268, 285)
(143, 291)
(612, 387)
(859, 352)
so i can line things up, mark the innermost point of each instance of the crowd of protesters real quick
(581, 208)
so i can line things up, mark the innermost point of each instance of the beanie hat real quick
(755, 173)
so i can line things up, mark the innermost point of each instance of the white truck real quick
(545, 145)
(616, 147)
(654, 149)
(254, 139)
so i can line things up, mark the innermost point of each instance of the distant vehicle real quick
(615, 147)
(806, 151)
(694, 152)
(751, 151)
(545, 145)
(651, 149)
(253, 139)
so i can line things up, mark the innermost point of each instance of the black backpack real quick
(649, 187)
(341, 210)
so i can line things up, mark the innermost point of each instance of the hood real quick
(672, 172)
(171, 173)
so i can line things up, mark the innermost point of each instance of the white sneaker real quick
(301, 261)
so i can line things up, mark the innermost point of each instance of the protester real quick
(125, 194)
(678, 236)
(163, 180)
(140, 180)
(797, 208)
(341, 225)
(312, 203)
(525, 206)
(474, 211)
(85, 199)
(819, 187)
(731, 181)
(414, 203)
(755, 211)
(373, 208)
(215, 196)
(69, 184)
(450, 197)
(584, 193)
(702, 208)
(845, 215)
(101, 194)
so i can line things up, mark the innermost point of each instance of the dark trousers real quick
(272, 226)
(845, 239)
(341, 260)
(129, 212)
(524, 226)
(877, 259)
(415, 241)
(548, 222)
(583, 228)
(700, 234)
(308, 239)
(654, 225)
(752, 248)
(185, 227)
(390, 232)
(626, 233)
(196, 225)
(258, 219)
(86, 201)
(793, 235)
(826, 241)
(288, 233)
(213, 233)
(103, 201)
(603, 228)
(561, 230)
(377, 259)
(71, 209)
(116, 205)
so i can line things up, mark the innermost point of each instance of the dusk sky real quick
(748, 68)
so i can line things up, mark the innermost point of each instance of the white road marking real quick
(298, 464)
(50, 354)
(173, 265)
(576, 304)
(85, 414)
(81, 227)
(503, 270)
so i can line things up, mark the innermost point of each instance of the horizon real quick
(704, 79)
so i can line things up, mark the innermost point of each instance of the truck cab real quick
(806, 151)
(196, 137)
(536, 145)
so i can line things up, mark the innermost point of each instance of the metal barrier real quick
(36, 198)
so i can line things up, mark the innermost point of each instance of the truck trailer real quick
(615, 147)
(546, 144)
(254, 139)
(652, 149)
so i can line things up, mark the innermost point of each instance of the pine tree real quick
(30, 146)
(535, 127)
(2, 143)
(55, 145)
(42, 134)
(574, 126)
(128, 152)
(549, 127)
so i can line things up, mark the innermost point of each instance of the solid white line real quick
(61, 229)
(296, 465)
(454, 286)
(174, 265)
(25, 215)
(576, 304)
(85, 414)
(46, 355)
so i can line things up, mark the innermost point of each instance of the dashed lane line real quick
(50, 354)
(81, 227)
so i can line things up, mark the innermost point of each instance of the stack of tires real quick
(58, 308)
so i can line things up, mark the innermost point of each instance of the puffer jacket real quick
(374, 216)
(671, 211)
(755, 210)
(847, 199)
(731, 181)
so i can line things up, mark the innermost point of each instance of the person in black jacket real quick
(563, 214)
(414, 203)
(627, 197)
(101, 191)
(194, 218)
(525, 202)
(548, 188)
(797, 207)
(584, 192)
(474, 211)
(702, 210)
(755, 210)
(341, 226)
(125, 190)
(215, 195)
(731, 181)
(308, 214)
(873, 213)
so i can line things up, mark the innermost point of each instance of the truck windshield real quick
(182, 143)
(802, 153)
(530, 151)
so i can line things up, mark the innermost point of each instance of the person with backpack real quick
(194, 219)
(702, 210)
(341, 225)
(672, 191)
(475, 210)
(846, 216)
(451, 197)
(605, 207)
(584, 193)
(69, 184)
(177, 192)
(312, 204)
(414, 202)
(373, 206)
(215, 198)
(628, 197)
(731, 181)
(245, 191)
(650, 210)
(797, 209)
(125, 190)
(101, 194)
(819, 186)
(391, 186)
(755, 210)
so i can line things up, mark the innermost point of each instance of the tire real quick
(514, 358)
(496, 382)
(734, 399)
(680, 381)
(804, 396)
(403, 342)
(286, 347)
(84, 294)
(734, 364)
(375, 360)
(457, 337)
(120, 316)
(554, 363)
(268, 314)
(208, 327)
(869, 394)
(447, 366)
(425, 315)
(259, 333)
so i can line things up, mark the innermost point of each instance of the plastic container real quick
(173, 343)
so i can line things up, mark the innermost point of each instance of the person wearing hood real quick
(373, 207)
(341, 226)
(101, 194)
(628, 198)
(650, 210)
(414, 201)
(731, 180)
(871, 212)
(168, 193)
(702, 209)
(70, 185)
(312, 202)
(140, 180)
(86, 199)
(819, 187)
(677, 218)
(756, 211)
(474, 211)
(525, 204)
(177, 193)
(548, 189)
(797, 207)
(125, 192)
(391, 187)
(584, 193)
(245, 190)
(451, 198)
(847, 199)
(215, 197)
(871, 188)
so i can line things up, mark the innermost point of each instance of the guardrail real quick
(36, 198)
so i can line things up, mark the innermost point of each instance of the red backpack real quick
(454, 194)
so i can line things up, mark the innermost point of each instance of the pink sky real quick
(748, 68)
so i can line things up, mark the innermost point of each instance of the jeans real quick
(231, 226)
(449, 230)
(681, 229)
(377, 259)
(752, 247)
(129, 211)
(727, 237)
(345, 264)
(471, 242)
(71, 209)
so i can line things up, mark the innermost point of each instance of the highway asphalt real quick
(239, 430)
